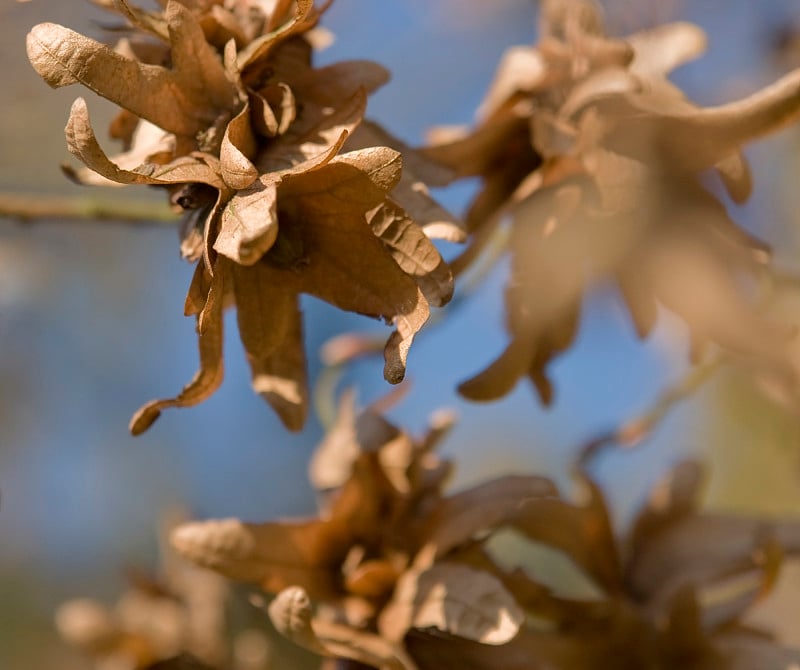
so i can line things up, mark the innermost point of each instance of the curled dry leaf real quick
(411, 192)
(249, 222)
(81, 142)
(455, 599)
(291, 614)
(209, 376)
(413, 252)
(238, 144)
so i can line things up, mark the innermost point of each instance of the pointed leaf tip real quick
(143, 419)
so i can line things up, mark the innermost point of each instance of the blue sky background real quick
(91, 321)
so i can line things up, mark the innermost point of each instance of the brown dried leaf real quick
(543, 602)
(195, 63)
(395, 353)
(436, 222)
(238, 144)
(346, 265)
(455, 599)
(270, 325)
(727, 600)
(150, 22)
(372, 578)
(275, 555)
(82, 142)
(521, 69)
(332, 461)
(698, 138)
(88, 625)
(681, 261)
(292, 616)
(197, 295)
(181, 662)
(530, 650)
(174, 100)
(220, 26)
(502, 375)
(150, 145)
(584, 533)
(382, 165)
(440, 423)
(639, 296)
(484, 508)
(736, 176)
(395, 457)
(363, 647)
(356, 182)
(415, 163)
(411, 192)
(329, 85)
(249, 222)
(660, 50)
(266, 121)
(549, 244)
(479, 152)
(698, 550)
(308, 553)
(673, 499)
(598, 85)
(413, 252)
(210, 374)
(260, 47)
(313, 139)
(124, 125)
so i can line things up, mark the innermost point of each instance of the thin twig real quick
(66, 208)
(635, 430)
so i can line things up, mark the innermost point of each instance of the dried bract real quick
(395, 573)
(597, 158)
(176, 620)
(222, 107)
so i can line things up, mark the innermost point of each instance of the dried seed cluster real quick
(596, 157)
(182, 618)
(285, 190)
(396, 573)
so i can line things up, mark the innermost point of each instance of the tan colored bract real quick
(396, 573)
(222, 107)
(596, 157)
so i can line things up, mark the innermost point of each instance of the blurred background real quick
(91, 327)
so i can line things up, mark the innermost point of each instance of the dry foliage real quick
(596, 160)
(596, 157)
(396, 573)
(282, 193)
(175, 620)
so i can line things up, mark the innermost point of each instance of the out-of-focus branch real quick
(31, 207)
(636, 429)
(632, 432)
